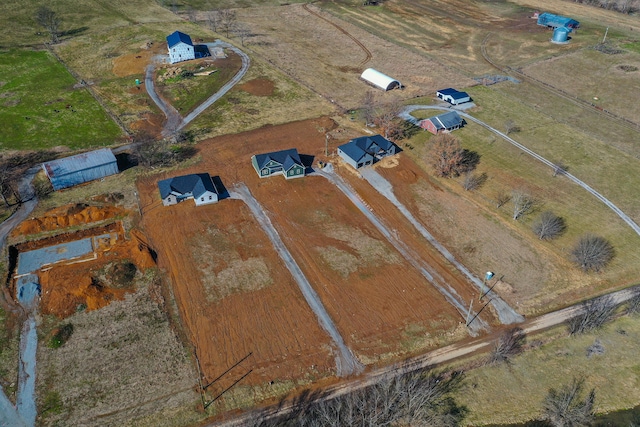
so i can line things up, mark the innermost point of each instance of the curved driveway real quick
(176, 122)
(406, 115)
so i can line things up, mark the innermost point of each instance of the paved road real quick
(435, 358)
(506, 313)
(413, 258)
(346, 362)
(406, 115)
(174, 121)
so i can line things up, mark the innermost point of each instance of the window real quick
(202, 199)
(210, 197)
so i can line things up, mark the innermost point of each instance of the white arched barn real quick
(380, 80)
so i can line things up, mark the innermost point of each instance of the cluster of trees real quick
(622, 6)
(149, 152)
(416, 398)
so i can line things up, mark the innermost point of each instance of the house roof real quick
(287, 158)
(455, 94)
(446, 120)
(551, 20)
(177, 37)
(196, 184)
(379, 79)
(357, 148)
(79, 162)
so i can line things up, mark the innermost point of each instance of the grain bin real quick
(560, 35)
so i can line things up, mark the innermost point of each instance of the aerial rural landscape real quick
(334, 213)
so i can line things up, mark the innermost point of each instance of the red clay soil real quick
(381, 308)
(258, 87)
(66, 216)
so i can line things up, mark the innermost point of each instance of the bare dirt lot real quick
(236, 297)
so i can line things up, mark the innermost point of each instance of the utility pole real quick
(605, 35)
(466, 323)
(326, 144)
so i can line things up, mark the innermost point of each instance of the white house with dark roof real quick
(180, 47)
(198, 187)
(445, 122)
(453, 96)
(366, 150)
(285, 162)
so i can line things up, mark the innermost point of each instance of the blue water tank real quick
(560, 35)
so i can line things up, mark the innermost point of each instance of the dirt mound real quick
(66, 216)
(133, 63)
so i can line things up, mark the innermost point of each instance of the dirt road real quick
(413, 258)
(346, 362)
(506, 314)
(434, 358)
(406, 115)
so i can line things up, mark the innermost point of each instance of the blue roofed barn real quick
(365, 150)
(285, 162)
(453, 96)
(198, 187)
(85, 167)
(556, 21)
(180, 47)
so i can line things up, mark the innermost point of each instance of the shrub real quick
(61, 335)
(592, 253)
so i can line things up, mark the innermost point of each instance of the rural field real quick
(190, 313)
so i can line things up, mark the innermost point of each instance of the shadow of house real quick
(223, 193)
(198, 187)
(285, 162)
(366, 150)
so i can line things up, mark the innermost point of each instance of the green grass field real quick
(41, 108)
(513, 393)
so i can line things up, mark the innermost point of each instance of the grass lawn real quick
(41, 108)
(512, 393)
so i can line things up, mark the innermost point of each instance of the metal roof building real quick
(556, 21)
(285, 162)
(380, 80)
(365, 150)
(197, 186)
(453, 96)
(74, 170)
(443, 122)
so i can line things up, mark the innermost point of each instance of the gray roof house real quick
(443, 122)
(74, 170)
(285, 162)
(198, 187)
(365, 150)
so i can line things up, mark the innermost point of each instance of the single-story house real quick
(198, 187)
(180, 47)
(445, 122)
(550, 20)
(365, 150)
(380, 80)
(85, 167)
(453, 96)
(285, 162)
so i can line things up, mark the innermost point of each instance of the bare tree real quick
(386, 118)
(592, 253)
(548, 226)
(192, 14)
(594, 314)
(567, 407)
(559, 168)
(523, 203)
(368, 107)
(501, 198)
(227, 21)
(48, 19)
(473, 181)
(509, 344)
(446, 155)
(633, 305)
(243, 32)
(213, 20)
(511, 127)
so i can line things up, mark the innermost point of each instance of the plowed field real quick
(236, 296)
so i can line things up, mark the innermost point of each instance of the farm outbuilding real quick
(365, 150)
(550, 20)
(180, 47)
(380, 80)
(85, 167)
(445, 122)
(453, 96)
(198, 187)
(285, 162)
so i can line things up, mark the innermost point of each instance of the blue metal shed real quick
(74, 170)
(555, 21)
